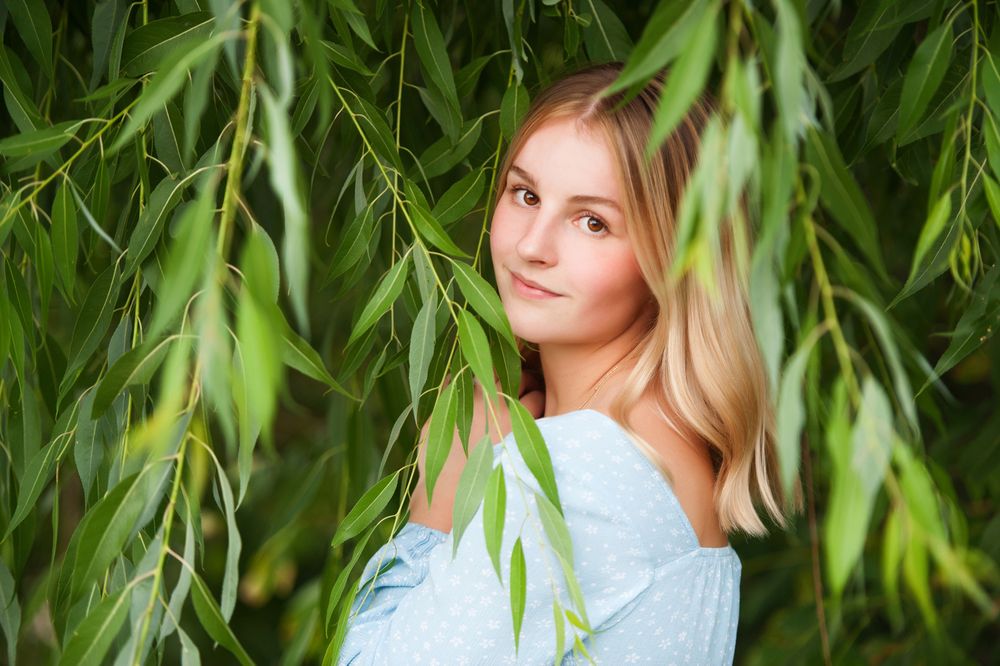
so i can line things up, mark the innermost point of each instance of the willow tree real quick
(243, 245)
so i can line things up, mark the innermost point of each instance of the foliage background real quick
(230, 232)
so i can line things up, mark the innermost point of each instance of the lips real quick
(533, 284)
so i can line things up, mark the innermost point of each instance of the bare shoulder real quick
(690, 466)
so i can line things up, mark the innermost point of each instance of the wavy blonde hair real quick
(703, 363)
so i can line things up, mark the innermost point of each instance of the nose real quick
(537, 244)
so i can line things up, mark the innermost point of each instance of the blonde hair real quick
(701, 359)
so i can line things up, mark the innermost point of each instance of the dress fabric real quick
(653, 595)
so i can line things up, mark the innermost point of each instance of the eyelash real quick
(604, 232)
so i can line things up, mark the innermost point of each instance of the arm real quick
(428, 605)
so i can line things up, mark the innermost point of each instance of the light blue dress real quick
(652, 594)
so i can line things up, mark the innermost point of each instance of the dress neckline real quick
(668, 490)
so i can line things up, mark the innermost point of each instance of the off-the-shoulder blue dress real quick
(652, 593)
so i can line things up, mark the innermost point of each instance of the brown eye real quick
(527, 193)
(595, 225)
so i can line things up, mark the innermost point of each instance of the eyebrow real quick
(579, 198)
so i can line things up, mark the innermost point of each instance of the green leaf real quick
(476, 350)
(484, 300)
(432, 53)
(992, 197)
(366, 510)
(430, 229)
(518, 589)
(92, 321)
(686, 79)
(166, 195)
(284, 181)
(106, 529)
(258, 331)
(167, 82)
(939, 216)
(299, 354)
(977, 323)
(10, 612)
(606, 37)
(39, 143)
(513, 106)
(440, 437)
(109, 16)
(135, 366)
(422, 340)
(460, 198)
(65, 238)
(91, 639)
(389, 288)
(845, 525)
(470, 489)
(842, 197)
(791, 414)
(923, 76)
(37, 474)
(185, 262)
(533, 450)
(212, 620)
(660, 43)
(494, 516)
(148, 46)
(31, 18)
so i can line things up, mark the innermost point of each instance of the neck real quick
(573, 371)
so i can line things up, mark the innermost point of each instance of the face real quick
(560, 225)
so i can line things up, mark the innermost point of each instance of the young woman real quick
(652, 399)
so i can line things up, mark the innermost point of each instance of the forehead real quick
(568, 156)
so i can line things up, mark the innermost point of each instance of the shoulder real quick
(688, 464)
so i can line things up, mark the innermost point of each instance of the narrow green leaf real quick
(494, 516)
(214, 623)
(37, 474)
(933, 226)
(91, 639)
(430, 229)
(93, 319)
(842, 197)
(366, 510)
(148, 46)
(432, 52)
(476, 350)
(39, 143)
(440, 437)
(484, 299)
(791, 414)
(533, 450)
(10, 612)
(166, 195)
(65, 237)
(136, 366)
(389, 288)
(923, 76)
(166, 83)
(422, 340)
(660, 43)
(513, 106)
(31, 18)
(470, 489)
(518, 589)
(299, 354)
(686, 79)
(185, 262)
(459, 199)
(284, 181)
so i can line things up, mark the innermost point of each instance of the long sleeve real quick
(430, 608)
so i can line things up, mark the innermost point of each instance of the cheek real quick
(613, 286)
